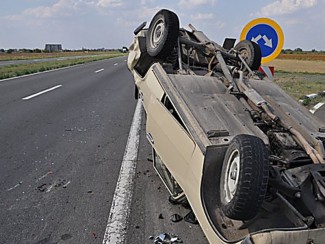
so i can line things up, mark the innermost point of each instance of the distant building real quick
(53, 47)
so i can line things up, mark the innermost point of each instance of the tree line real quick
(301, 51)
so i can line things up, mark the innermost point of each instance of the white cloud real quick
(282, 7)
(195, 3)
(66, 7)
(49, 11)
(144, 2)
(109, 3)
(202, 16)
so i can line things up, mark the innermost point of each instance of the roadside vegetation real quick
(25, 69)
(298, 72)
(301, 74)
(27, 54)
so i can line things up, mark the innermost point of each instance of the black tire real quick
(251, 52)
(162, 34)
(242, 190)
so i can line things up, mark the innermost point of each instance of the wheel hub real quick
(232, 176)
(158, 33)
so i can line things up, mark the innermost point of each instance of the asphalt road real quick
(63, 135)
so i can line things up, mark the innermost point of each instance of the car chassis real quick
(248, 157)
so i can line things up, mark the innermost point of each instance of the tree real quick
(298, 50)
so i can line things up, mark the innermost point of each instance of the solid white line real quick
(41, 92)
(100, 70)
(117, 221)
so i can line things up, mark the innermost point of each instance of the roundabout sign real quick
(267, 34)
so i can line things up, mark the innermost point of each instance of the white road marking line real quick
(100, 70)
(41, 92)
(117, 221)
(115, 64)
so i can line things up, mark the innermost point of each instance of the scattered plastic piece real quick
(167, 238)
(42, 187)
(176, 218)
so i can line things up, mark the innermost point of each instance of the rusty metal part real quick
(315, 156)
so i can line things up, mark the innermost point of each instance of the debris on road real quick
(15, 186)
(42, 187)
(191, 218)
(167, 238)
(66, 184)
(176, 218)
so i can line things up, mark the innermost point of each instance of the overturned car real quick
(248, 158)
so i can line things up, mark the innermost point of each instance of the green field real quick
(300, 75)
(24, 69)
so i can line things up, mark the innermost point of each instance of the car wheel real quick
(251, 52)
(162, 34)
(244, 177)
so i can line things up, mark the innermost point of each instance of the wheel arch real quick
(212, 166)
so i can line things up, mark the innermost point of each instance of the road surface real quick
(63, 137)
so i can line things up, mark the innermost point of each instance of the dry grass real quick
(298, 66)
(300, 74)
(24, 56)
(24, 69)
(303, 56)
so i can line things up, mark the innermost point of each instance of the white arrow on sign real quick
(268, 42)
(256, 39)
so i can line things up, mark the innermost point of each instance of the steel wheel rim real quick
(232, 175)
(157, 33)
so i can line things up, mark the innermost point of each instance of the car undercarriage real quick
(260, 154)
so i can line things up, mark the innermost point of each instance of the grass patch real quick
(298, 85)
(25, 69)
(29, 56)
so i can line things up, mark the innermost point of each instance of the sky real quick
(108, 24)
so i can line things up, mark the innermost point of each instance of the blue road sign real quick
(267, 34)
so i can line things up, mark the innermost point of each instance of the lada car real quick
(248, 158)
